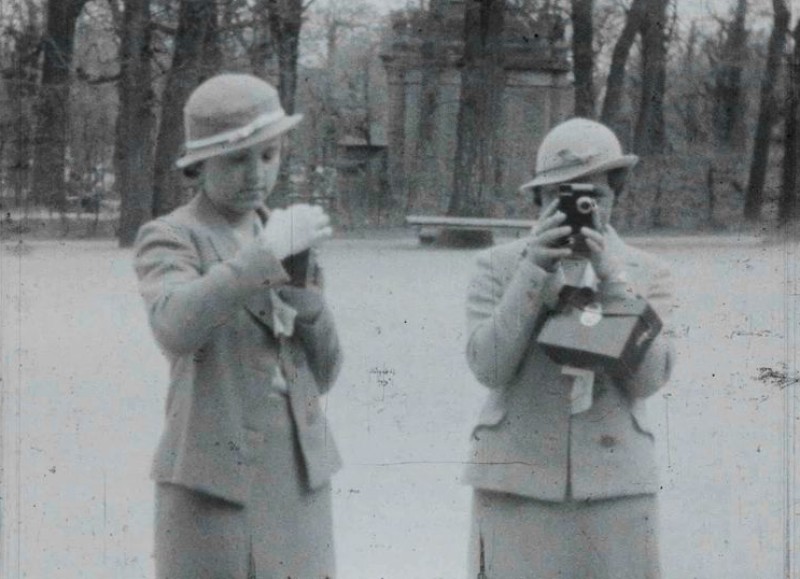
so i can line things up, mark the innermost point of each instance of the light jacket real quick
(527, 441)
(212, 316)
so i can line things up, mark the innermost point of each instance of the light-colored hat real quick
(229, 112)
(577, 148)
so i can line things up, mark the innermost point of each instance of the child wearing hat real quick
(243, 466)
(562, 462)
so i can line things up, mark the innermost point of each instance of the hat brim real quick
(572, 173)
(271, 131)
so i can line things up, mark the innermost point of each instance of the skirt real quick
(514, 537)
(283, 531)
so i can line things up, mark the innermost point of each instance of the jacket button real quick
(607, 441)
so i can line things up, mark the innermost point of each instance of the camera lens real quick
(585, 205)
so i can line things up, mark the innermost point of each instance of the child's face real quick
(240, 181)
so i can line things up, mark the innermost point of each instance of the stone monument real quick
(422, 57)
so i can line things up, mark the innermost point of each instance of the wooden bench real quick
(428, 227)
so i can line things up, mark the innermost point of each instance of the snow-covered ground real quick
(84, 386)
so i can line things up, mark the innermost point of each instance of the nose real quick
(254, 172)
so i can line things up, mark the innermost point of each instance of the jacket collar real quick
(220, 233)
(220, 236)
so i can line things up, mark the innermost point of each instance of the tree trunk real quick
(423, 174)
(133, 153)
(482, 79)
(197, 30)
(52, 126)
(285, 20)
(615, 84)
(754, 198)
(728, 114)
(691, 110)
(650, 136)
(789, 207)
(583, 57)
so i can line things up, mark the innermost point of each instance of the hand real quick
(607, 266)
(292, 230)
(547, 231)
(308, 302)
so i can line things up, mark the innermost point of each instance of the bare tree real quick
(583, 57)
(286, 20)
(195, 57)
(650, 136)
(688, 102)
(754, 198)
(133, 152)
(728, 94)
(789, 207)
(480, 108)
(615, 84)
(50, 140)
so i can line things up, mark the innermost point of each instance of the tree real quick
(789, 206)
(50, 139)
(728, 96)
(286, 20)
(754, 197)
(650, 136)
(583, 57)
(194, 58)
(133, 153)
(480, 109)
(615, 84)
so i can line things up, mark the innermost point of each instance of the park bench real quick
(429, 227)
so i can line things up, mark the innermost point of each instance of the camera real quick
(577, 201)
(298, 266)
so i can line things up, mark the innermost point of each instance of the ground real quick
(84, 387)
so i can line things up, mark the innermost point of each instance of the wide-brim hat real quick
(577, 148)
(230, 112)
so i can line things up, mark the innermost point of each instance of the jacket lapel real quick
(225, 245)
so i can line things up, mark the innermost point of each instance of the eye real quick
(269, 154)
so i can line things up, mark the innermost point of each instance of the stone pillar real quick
(426, 48)
(396, 132)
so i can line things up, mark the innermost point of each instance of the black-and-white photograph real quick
(400, 289)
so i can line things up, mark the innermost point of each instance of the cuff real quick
(548, 283)
(256, 266)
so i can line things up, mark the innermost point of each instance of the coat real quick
(212, 317)
(526, 441)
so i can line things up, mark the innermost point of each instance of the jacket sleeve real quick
(503, 304)
(321, 342)
(655, 368)
(184, 303)
(316, 329)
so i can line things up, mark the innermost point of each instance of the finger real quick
(324, 233)
(593, 245)
(593, 234)
(551, 235)
(549, 223)
(549, 210)
(596, 221)
(555, 252)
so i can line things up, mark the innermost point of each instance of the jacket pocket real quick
(493, 412)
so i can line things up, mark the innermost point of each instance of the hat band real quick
(569, 159)
(234, 135)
